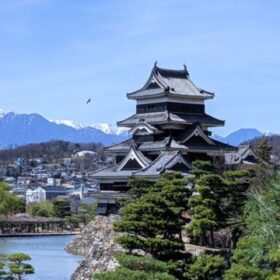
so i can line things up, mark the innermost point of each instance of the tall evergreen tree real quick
(237, 183)
(264, 150)
(153, 223)
(137, 187)
(206, 202)
(216, 197)
(203, 205)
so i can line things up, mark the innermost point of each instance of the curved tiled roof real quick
(170, 82)
(123, 146)
(166, 117)
(133, 154)
(164, 161)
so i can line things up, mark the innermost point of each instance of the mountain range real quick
(240, 136)
(21, 129)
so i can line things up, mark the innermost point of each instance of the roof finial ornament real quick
(185, 68)
(155, 64)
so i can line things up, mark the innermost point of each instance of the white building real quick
(54, 182)
(36, 195)
(86, 154)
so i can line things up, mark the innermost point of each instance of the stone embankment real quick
(96, 244)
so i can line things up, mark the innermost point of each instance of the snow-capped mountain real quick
(110, 128)
(69, 123)
(3, 112)
(105, 127)
(21, 129)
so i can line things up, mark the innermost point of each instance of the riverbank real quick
(96, 244)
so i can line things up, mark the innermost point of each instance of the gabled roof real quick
(117, 170)
(144, 126)
(244, 154)
(196, 131)
(164, 162)
(170, 82)
(133, 155)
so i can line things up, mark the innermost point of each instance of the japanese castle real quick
(169, 130)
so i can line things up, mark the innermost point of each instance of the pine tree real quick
(61, 208)
(207, 267)
(204, 218)
(153, 223)
(202, 167)
(264, 150)
(257, 255)
(18, 268)
(2, 271)
(137, 187)
(241, 267)
(237, 184)
(175, 190)
(137, 268)
(150, 225)
(206, 202)
(215, 199)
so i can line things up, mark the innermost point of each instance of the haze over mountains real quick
(21, 129)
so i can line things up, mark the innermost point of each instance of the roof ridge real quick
(107, 147)
(172, 71)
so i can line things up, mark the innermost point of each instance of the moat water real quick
(49, 259)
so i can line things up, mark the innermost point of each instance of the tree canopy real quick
(18, 266)
(9, 203)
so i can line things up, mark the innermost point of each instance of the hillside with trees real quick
(49, 151)
(273, 142)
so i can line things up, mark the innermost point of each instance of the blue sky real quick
(54, 54)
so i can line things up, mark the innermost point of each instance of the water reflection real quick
(49, 259)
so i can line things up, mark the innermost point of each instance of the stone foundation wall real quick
(96, 244)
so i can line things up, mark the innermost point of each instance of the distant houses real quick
(36, 180)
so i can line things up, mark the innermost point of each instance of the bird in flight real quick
(89, 100)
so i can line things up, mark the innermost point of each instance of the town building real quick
(54, 192)
(35, 195)
(169, 130)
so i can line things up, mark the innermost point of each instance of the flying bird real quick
(89, 100)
